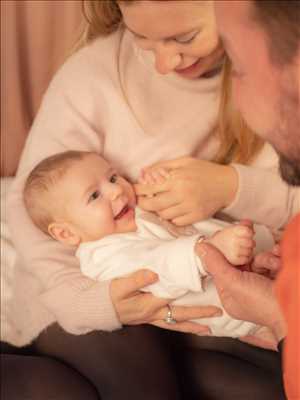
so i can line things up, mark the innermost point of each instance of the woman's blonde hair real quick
(238, 143)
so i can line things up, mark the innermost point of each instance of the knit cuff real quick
(82, 306)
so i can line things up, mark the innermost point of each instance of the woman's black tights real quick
(144, 362)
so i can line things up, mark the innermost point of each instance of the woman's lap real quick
(34, 378)
(150, 363)
(133, 362)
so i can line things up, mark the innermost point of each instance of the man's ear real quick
(64, 233)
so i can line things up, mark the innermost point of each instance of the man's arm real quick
(244, 295)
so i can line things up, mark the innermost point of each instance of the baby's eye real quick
(94, 195)
(113, 178)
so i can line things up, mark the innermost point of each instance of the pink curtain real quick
(36, 36)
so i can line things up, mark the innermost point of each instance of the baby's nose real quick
(113, 191)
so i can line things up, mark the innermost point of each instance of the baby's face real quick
(97, 201)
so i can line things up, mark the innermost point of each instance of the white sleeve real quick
(173, 260)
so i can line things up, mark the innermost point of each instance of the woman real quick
(109, 97)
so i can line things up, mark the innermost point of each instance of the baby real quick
(79, 199)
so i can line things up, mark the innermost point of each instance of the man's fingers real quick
(266, 261)
(276, 250)
(246, 222)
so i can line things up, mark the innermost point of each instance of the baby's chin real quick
(127, 222)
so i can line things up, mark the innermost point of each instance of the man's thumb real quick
(214, 261)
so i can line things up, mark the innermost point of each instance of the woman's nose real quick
(166, 59)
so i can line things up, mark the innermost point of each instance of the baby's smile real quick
(126, 212)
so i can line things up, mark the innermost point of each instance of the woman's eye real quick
(94, 195)
(113, 178)
(186, 39)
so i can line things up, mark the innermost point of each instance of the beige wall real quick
(36, 36)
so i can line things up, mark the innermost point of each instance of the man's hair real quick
(40, 183)
(281, 21)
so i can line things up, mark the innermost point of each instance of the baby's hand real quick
(236, 242)
(153, 176)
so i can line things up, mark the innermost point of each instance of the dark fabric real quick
(26, 377)
(145, 362)
(140, 362)
(132, 363)
(280, 347)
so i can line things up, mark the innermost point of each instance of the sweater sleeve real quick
(262, 195)
(78, 303)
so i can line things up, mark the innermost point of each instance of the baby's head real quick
(77, 197)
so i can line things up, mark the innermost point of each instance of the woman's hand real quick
(134, 307)
(193, 191)
(244, 295)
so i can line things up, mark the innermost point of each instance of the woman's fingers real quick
(172, 212)
(173, 164)
(159, 202)
(130, 285)
(189, 218)
(151, 189)
(186, 313)
(134, 307)
(186, 327)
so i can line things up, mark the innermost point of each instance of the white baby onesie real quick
(169, 251)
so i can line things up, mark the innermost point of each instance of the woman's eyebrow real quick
(168, 37)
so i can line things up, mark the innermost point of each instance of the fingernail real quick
(218, 313)
(150, 275)
(204, 333)
(202, 252)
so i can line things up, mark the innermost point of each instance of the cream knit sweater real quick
(108, 98)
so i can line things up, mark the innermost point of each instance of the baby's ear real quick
(63, 232)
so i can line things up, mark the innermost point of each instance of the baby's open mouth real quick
(124, 211)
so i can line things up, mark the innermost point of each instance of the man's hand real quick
(267, 263)
(244, 295)
(134, 307)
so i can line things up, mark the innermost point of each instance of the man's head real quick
(262, 39)
(77, 197)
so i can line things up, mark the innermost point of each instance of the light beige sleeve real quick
(78, 303)
(262, 195)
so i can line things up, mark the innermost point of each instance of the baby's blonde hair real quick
(41, 181)
(238, 143)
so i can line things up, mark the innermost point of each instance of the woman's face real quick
(181, 34)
